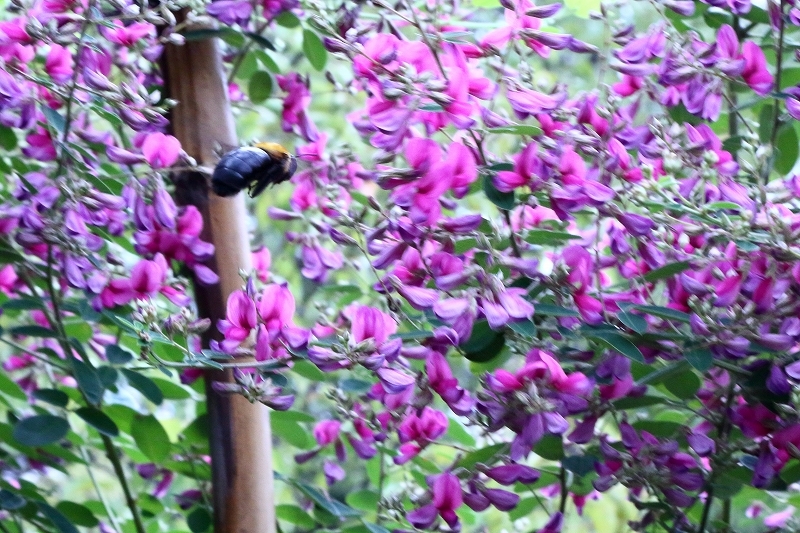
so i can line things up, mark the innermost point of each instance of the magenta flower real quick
(161, 151)
(526, 102)
(779, 519)
(240, 319)
(276, 307)
(40, 145)
(418, 430)
(8, 279)
(59, 63)
(295, 106)
(527, 167)
(513, 473)
(262, 260)
(327, 431)
(755, 71)
(371, 323)
(128, 36)
(447, 497)
(231, 12)
(147, 278)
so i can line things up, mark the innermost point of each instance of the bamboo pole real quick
(240, 437)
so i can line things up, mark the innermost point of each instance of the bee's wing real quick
(223, 148)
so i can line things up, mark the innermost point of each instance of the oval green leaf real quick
(40, 430)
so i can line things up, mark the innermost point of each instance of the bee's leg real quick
(257, 187)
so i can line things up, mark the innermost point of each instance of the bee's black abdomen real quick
(238, 169)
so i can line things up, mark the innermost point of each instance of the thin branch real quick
(113, 456)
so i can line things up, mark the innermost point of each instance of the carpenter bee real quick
(254, 168)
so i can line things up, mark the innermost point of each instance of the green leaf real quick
(170, 390)
(295, 515)
(355, 386)
(518, 129)
(78, 514)
(292, 416)
(482, 455)
(54, 118)
(259, 88)
(375, 528)
(122, 415)
(199, 520)
(363, 500)
(40, 430)
(551, 447)
(526, 328)
(544, 309)
(260, 40)
(722, 206)
(702, 359)
(98, 420)
(23, 304)
(229, 35)
(10, 388)
(503, 200)
(308, 370)
(151, 438)
(34, 331)
(663, 312)
(117, 355)
(10, 501)
(659, 428)
(667, 271)
(634, 322)
(484, 344)
(579, 464)
(618, 342)
(416, 335)
(8, 139)
(52, 396)
(293, 433)
(88, 381)
(287, 19)
(198, 431)
(548, 238)
(334, 507)
(108, 377)
(266, 60)
(59, 520)
(81, 331)
(524, 508)
(458, 433)
(314, 50)
(145, 385)
(788, 148)
(623, 404)
(685, 385)
(766, 119)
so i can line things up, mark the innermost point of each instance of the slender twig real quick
(778, 72)
(54, 319)
(240, 57)
(100, 495)
(425, 39)
(113, 456)
(35, 355)
(562, 479)
(68, 113)
(381, 480)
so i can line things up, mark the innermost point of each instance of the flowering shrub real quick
(517, 296)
